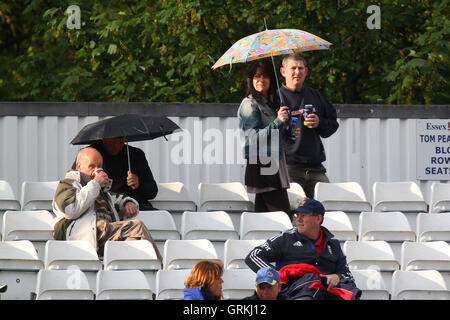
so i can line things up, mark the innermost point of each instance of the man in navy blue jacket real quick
(305, 155)
(307, 253)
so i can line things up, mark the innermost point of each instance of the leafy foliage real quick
(133, 50)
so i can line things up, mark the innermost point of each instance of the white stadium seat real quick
(419, 285)
(439, 197)
(433, 227)
(376, 255)
(65, 255)
(63, 285)
(399, 196)
(263, 225)
(229, 197)
(8, 201)
(183, 254)
(235, 252)
(123, 285)
(339, 224)
(132, 255)
(371, 283)
(238, 283)
(296, 195)
(36, 226)
(392, 227)
(161, 225)
(173, 197)
(170, 284)
(38, 195)
(342, 196)
(19, 266)
(216, 226)
(427, 256)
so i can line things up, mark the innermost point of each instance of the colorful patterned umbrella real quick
(271, 43)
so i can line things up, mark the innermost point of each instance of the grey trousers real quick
(307, 178)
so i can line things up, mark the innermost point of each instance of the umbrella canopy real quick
(271, 43)
(131, 126)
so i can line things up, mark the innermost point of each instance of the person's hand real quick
(283, 114)
(132, 180)
(100, 177)
(332, 280)
(130, 209)
(312, 121)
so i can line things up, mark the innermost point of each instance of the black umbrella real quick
(133, 127)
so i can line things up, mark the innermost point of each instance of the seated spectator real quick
(90, 211)
(304, 254)
(205, 281)
(267, 285)
(139, 183)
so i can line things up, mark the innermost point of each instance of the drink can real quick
(293, 125)
(308, 109)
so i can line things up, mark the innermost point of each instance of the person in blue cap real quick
(307, 253)
(267, 285)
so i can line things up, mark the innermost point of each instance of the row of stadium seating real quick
(130, 269)
(393, 227)
(173, 196)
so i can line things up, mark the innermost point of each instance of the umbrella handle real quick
(275, 71)
(128, 156)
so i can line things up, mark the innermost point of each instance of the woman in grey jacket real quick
(263, 127)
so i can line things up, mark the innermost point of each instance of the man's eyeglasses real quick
(304, 215)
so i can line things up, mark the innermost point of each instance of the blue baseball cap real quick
(268, 275)
(311, 205)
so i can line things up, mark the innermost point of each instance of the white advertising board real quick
(433, 149)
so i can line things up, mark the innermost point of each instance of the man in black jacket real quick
(139, 183)
(306, 154)
(307, 251)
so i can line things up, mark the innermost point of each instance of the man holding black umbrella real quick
(90, 212)
(138, 183)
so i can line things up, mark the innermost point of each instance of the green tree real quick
(133, 50)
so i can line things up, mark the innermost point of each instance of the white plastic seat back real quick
(63, 285)
(238, 283)
(339, 224)
(229, 196)
(213, 225)
(419, 285)
(122, 285)
(183, 254)
(8, 200)
(170, 284)
(388, 226)
(19, 266)
(28, 225)
(371, 283)
(342, 196)
(36, 226)
(439, 197)
(426, 256)
(370, 255)
(433, 227)
(398, 196)
(235, 252)
(38, 195)
(160, 224)
(263, 225)
(296, 195)
(133, 254)
(173, 197)
(63, 255)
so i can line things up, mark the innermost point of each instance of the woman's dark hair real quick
(267, 71)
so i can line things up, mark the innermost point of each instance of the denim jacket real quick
(259, 125)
